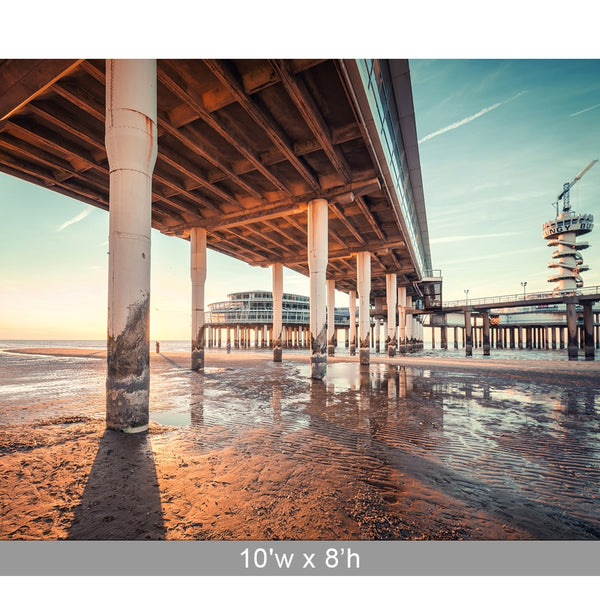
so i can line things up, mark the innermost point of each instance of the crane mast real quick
(564, 195)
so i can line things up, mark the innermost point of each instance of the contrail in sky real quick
(82, 215)
(464, 238)
(468, 119)
(584, 110)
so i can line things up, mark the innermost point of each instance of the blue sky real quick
(498, 138)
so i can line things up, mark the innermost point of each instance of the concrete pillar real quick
(198, 273)
(352, 309)
(402, 318)
(588, 326)
(444, 334)
(391, 282)
(486, 333)
(468, 334)
(409, 325)
(318, 237)
(131, 147)
(363, 268)
(331, 317)
(572, 331)
(456, 338)
(277, 272)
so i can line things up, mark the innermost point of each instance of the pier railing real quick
(523, 297)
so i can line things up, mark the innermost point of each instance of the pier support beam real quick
(392, 301)
(402, 319)
(131, 147)
(277, 269)
(486, 333)
(198, 273)
(363, 269)
(444, 333)
(352, 308)
(468, 334)
(331, 341)
(317, 263)
(572, 346)
(588, 326)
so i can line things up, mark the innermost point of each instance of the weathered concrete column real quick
(468, 334)
(198, 273)
(402, 318)
(572, 346)
(131, 147)
(409, 325)
(391, 282)
(486, 333)
(455, 338)
(277, 310)
(352, 309)
(318, 237)
(444, 333)
(588, 326)
(331, 342)
(363, 269)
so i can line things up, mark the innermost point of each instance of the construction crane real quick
(564, 195)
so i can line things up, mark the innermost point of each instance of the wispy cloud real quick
(584, 110)
(466, 238)
(82, 215)
(466, 120)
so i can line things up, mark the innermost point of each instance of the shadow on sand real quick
(121, 500)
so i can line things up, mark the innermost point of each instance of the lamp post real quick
(524, 284)
(466, 296)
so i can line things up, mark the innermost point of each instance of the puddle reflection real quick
(540, 441)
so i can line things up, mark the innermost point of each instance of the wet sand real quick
(412, 448)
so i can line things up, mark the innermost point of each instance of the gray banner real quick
(166, 558)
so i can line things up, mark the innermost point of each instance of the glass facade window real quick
(378, 85)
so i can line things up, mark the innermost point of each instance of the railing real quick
(489, 300)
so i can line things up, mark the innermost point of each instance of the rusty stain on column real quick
(131, 147)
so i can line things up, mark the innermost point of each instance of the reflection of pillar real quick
(331, 317)
(468, 334)
(352, 308)
(486, 332)
(131, 147)
(363, 267)
(392, 301)
(198, 272)
(317, 264)
(572, 331)
(277, 273)
(588, 325)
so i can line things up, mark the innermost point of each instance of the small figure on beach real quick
(157, 347)
(228, 347)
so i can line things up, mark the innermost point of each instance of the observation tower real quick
(563, 233)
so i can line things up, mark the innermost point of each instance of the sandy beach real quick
(415, 448)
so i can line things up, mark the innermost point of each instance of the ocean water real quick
(184, 346)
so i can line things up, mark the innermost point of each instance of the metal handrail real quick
(523, 296)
